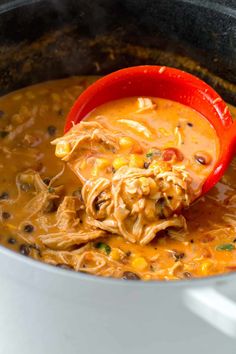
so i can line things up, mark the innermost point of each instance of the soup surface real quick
(139, 163)
(152, 129)
(42, 206)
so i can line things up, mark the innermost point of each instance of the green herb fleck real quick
(103, 247)
(225, 247)
(149, 154)
(51, 190)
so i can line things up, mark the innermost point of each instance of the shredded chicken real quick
(45, 195)
(67, 213)
(68, 240)
(134, 184)
(13, 133)
(138, 203)
(136, 126)
(87, 132)
(144, 104)
(84, 259)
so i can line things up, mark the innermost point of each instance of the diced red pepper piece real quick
(172, 154)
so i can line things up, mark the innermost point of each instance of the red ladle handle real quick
(172, 84)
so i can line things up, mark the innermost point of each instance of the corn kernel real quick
(164, 132)
(102, 163)
(95, 171)
(11, 227)
(126, 142)
(152, 185)
(205, 267)
(62, 149)
(144, 181)
(136, 161)
(99, 165)
(154, 165)
(82, 165)
(115, 254)
(139, 263)
(150, 211)
(119, 162)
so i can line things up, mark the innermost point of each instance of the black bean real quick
(192, 241)
(28, 228)
(1, 113)
(6, 215)
(51, 207)
(234, 240)
(24, 249)
(36, 248)
(46, 180)
(146, 164)
(178, 255)
(200, 159)
(190, 124)
(60, 112)
(26, 187)
(130, 276)
(3, 133)
(64, 266)
(128, 253)
(169, 197)
(52, 130)
(187, 275)
(162, 201)
(152, 268)
(4, 195)
(99, 205)
(11, 240)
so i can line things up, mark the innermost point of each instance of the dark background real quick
(41, 40)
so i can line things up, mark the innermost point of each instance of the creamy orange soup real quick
(160, 126)
(42, 201)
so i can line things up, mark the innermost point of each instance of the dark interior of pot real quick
(46, 208)
(42, 40)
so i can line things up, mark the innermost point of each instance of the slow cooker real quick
(44, 309)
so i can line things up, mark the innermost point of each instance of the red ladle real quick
(172, 84)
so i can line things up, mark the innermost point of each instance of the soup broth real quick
(162, 125)
(40, 197)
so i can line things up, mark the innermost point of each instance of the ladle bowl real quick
(168, 83)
